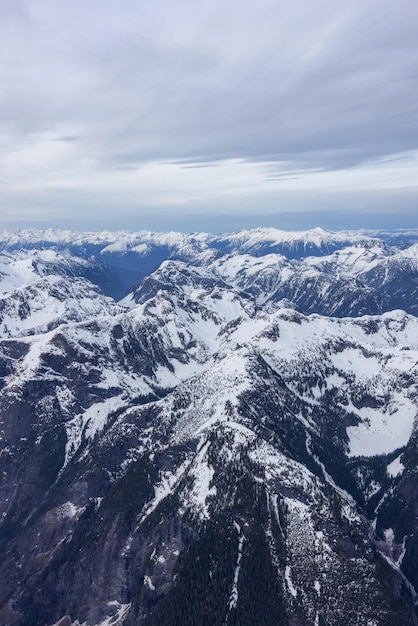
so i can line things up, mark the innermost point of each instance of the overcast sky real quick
(214, 115)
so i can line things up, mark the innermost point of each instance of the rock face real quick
(234, 442)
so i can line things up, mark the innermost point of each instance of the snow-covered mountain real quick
(41, 289)
(233, 442)
(350, 282)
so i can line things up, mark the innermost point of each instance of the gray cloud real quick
(331, 85)
(305, 86)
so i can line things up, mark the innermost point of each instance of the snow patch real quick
(203, 474)
(233, 599)
(148, 582)
(68, 510)
(167, 485)
(396, 467)
(382, 431)
(288, 577)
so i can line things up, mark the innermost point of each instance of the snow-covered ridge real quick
(111, 241)
(273, 236)
(124, 240)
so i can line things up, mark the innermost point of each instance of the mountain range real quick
(208, 429)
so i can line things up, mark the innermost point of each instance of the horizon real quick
(39, 231)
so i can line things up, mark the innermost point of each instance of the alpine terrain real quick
(209, 430)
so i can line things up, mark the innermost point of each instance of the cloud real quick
(95, 91)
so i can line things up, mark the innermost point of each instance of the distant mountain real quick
(233, 442)
(292, 244)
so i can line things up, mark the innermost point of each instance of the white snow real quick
(233, 598)
(117, 618)
(389, 536)
(88, 424)
(164, 488)
(288, 577)
(117, 614)
(201, 490)
(68, 510)
(148, 582)
(396, 467)
(373, 488)
(274, 236)
(383, 430)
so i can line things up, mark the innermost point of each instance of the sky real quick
(173, 114)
